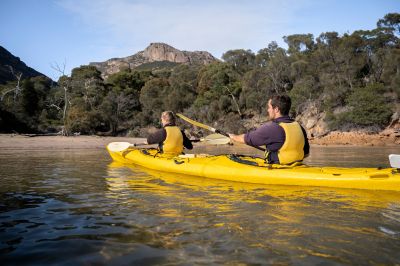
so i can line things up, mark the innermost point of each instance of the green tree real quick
(256, 90)
(87, 84)
(368, 107)
(214, 81)
(152, 98)
(29, 98)
(391, 21)
(304, 91)
(299, 43)
(278, 69)
(83, 93)
(241, 60)
(182, 92)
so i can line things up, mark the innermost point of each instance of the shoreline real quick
(16, 141)
(388, 137)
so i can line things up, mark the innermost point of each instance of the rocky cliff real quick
(318, 131)
(155, 52)
(9, 63)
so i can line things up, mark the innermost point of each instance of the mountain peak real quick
(154, 52)
(164, 52)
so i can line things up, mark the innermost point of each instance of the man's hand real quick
(237, 138)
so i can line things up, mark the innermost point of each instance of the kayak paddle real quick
(213, 139)
(119, 146)
(187, 119)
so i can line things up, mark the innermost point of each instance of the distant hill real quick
(156, 54)
(8, 60)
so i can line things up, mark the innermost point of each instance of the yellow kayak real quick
(254, 170)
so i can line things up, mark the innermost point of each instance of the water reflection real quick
(75, 207)
(166, 184)
(266, 223)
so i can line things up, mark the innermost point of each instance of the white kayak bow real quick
(394, 160)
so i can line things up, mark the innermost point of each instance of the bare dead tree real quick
(234, 101)
(65, 86)
(17, 89)
(87, 97)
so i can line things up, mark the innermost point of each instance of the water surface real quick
(74, 207)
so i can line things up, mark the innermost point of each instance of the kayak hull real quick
(255, 170)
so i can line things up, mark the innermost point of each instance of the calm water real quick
(74, 207)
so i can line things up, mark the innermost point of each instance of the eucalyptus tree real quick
(256, 90)
(86, 92)
(390, 21)
(278, 69)
(16, 89)
(183, 88)
(299, 43)
(121, 105)
(218, 89)
(241, 60)
(152, 97)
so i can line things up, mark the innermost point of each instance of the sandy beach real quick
(15, 141)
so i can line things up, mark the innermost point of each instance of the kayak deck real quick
(255, 170)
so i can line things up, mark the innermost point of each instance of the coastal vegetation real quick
(353, 78)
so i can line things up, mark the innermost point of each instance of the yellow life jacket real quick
(173, 143)
(292, 149)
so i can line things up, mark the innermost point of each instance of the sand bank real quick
(13, 141)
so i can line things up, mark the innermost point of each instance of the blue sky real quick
(48, 32)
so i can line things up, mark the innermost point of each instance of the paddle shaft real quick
(226, 134)
(193, 122)
(212, 139)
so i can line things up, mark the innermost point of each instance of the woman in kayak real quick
(171, 139)
(285, 139)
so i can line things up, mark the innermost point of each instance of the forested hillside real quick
(352, 79)
(12, 67)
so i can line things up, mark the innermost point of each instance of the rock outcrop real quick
(313, 121)
(319, 133)
(155, 52)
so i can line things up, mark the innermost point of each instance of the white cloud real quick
(215, 26)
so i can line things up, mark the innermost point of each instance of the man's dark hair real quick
(283, 102)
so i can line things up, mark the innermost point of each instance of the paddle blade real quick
(394, 160)
(216, 139)
(119, 146)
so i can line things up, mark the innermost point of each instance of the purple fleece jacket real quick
(273, 136)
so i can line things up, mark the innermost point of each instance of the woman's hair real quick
(169, 117)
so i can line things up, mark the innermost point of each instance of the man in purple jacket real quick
(285, 139)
